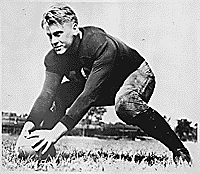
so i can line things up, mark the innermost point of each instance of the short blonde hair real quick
(58, 14)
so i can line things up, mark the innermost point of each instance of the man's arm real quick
(45, 99)
(41, 105)
(100, 72)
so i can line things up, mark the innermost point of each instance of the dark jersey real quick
(106, 62)
(97, 51)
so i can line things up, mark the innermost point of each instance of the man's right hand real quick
(24, 133)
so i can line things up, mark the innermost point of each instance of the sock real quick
(157, 127)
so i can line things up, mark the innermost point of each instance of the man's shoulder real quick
(50, 58)
(92, 29)
(93, 37)
(92, 32)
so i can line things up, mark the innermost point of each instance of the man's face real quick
(61, 36)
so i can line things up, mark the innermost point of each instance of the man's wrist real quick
(59, 130)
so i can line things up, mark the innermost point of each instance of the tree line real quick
(92, 125)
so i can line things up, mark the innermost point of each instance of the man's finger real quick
(33, 135)
(46, 148)
(37, 146)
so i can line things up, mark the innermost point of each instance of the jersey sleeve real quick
(45, 99)
(100, 72)
(53, 77)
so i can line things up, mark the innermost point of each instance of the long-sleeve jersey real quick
(106, 62)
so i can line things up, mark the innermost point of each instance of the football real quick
(25, 150)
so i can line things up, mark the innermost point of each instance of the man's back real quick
(93, 38)
(101, 53)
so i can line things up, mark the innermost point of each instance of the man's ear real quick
(75, 28)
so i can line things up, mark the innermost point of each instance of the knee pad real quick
(128, 106)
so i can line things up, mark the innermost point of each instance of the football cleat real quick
(182, 155)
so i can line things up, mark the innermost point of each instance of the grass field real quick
(82, 154)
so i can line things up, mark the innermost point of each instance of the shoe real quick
(182, 155)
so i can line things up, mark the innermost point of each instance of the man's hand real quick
(47, 137)
(24, 133)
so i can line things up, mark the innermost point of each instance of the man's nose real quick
(54, 41)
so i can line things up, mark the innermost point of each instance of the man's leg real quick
(131, 106)
(65, 96)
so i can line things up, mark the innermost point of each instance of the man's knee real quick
(127, 107)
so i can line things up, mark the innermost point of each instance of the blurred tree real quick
(94, 115)
(185, 131)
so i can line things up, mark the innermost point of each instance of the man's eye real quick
(57, 34)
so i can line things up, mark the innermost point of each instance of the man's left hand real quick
(45, 138)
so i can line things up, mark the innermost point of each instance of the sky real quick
(164, 33)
